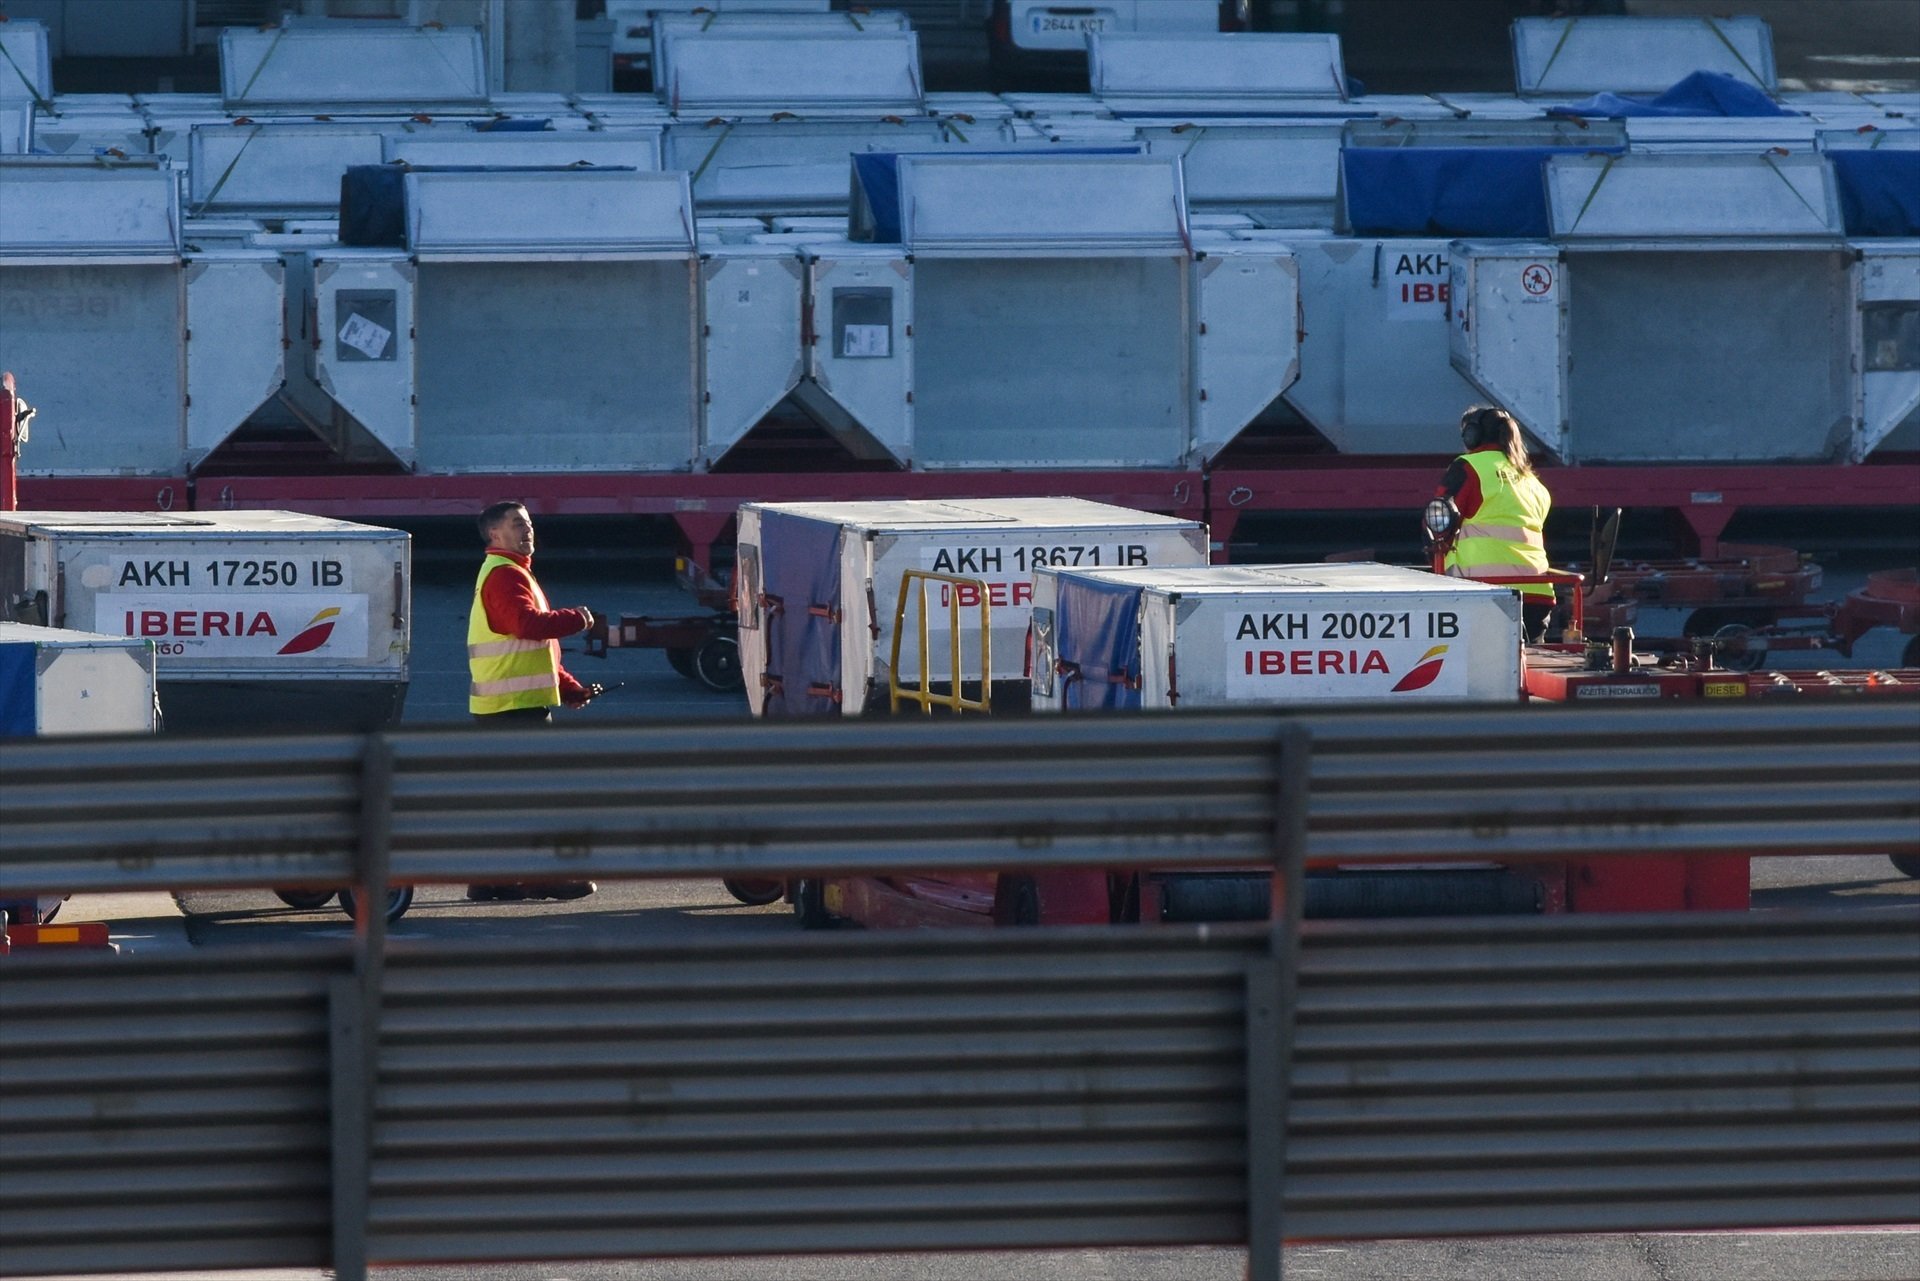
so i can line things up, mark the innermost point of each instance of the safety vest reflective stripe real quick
(511, 685)
(493, 649)
(1505, 533)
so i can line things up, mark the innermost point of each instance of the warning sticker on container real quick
(866, 340)
(306, 625)
(1299, 656)
(1537, 282)
(365, 337)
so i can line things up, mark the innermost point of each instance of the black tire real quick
(305, 900)
(1910, 656)
(717, 663)
(1709, 619)
(810, 905)
(399, 899)
(1019, 901)
(1909, 864)
(757, 891)
(681, 660)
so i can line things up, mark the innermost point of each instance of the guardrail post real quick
(1270, 996)
(355, 1018)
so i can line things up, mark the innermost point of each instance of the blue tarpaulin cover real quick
(17, 697)
(1450, 191)
(876, 178)
(1704, 93)
(800, 569)
(1097, 631)
(1879, 191)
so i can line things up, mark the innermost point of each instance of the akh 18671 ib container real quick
(1270, 635)
(817, 586)
(56, 681)
(258, 619)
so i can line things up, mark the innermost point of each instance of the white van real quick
(1040, 36)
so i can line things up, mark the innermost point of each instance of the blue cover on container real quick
(1879, 191)
(1704, 93)
(876, 178)
(800, 569)
(1450, 191)
(17, 679)
(1097, 640)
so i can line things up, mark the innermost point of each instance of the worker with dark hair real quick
(1503, 511)
(513, 656)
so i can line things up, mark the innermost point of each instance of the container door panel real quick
(751, 358)
(1507, 331)
(1889, 294)
(1247, 351)
(97, 346)
(1051, 362)
(236, 357)
(364, 357)
(556, 366)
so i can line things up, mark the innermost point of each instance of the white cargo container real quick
(554, 321)
(352, 66)
(260, 619)
(145, 355)
(817, 585)
(1778, 336)
(1033, 312)
(56, 681)
(1573, 57)
(1270, 635)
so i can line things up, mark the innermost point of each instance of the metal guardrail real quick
(314, 1106)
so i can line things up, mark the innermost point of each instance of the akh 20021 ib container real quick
(259, 619)
(1270, 635)
(817, 585)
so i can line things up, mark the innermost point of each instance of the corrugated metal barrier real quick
(1008, 1088)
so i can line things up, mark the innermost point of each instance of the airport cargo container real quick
(1270, 635)
(259, 619)
(817, 586)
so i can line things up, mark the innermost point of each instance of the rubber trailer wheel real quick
(1746, 660)
(305, 900)
(681, 660)
(757, 892)
(717, 663)
(399, 899)
(810, 905)
(1907, 863)
(1910, 656)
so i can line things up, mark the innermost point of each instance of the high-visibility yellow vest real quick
(507, 672)
(1504, 536)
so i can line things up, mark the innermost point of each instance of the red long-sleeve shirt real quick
(516, 607)
(1462, 484)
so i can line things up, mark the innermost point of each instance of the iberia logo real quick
(320, 627)
(1424, 672)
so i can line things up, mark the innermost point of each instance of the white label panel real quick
(1345, 655)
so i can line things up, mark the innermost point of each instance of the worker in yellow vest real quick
(1503, 511)
(513, 656)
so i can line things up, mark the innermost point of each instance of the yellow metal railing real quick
(924, 694)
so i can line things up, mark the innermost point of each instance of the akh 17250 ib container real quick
(818, 585)
(259, 619)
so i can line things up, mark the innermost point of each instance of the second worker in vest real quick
(513, 656)
(1503, 511)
